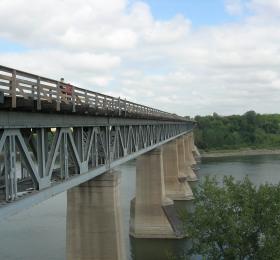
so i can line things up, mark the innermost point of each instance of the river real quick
(39, 233)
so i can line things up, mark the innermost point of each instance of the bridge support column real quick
(174, 189)
(181, 159)
(195, 150)
(189, 148)
(189, 160)
(185, 171)
(152, 214)
(94, 227)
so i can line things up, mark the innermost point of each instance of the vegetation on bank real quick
(250, 130)
(234, 220)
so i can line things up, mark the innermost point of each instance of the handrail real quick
(20, 84)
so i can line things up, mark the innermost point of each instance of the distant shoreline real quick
(227, 153)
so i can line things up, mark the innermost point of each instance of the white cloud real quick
(119, 48)
(81, 68)
(167, 32)
(80, 24)
(235, 7)
(266, 6)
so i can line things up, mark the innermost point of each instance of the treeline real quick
(250, 130)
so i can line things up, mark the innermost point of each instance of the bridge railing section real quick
(19, 84)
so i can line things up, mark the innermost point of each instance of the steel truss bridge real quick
(52, 140)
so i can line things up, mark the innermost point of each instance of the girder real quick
(64, 155)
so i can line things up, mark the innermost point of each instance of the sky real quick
(190, 57)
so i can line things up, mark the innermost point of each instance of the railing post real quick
(119, 105)
(58, 96)
(105, 105)
(96, 101)
(86, 97)
(113, 104)
(73, 99)
(13, 89)
(125, 107)
(33, 92)
(38, 94)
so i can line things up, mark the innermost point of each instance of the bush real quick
(234, 220)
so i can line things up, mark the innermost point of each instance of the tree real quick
(234, 220)
(251, 117)
(234, 132)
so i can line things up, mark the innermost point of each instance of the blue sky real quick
(9, 46)
(200, 12)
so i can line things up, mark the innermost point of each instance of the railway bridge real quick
(57, 137)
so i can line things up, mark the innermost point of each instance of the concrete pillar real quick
(94, 229)
(189, 160)
(195, 150)
(181, 159)
(189, 143)
(152, 213)
(174, 189)
(185, 171)
(194, 158)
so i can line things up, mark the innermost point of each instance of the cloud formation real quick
(234, 7)
(120, 48)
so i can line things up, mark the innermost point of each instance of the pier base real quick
(152, 214)
(94, 229)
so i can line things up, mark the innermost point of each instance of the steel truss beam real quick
(54, 160)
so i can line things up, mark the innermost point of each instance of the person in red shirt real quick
(66, 89)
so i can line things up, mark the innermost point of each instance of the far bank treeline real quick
(250, 130)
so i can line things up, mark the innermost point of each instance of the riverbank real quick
(243, 152)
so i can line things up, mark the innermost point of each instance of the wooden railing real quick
(19, 84)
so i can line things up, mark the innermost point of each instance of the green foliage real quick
(234, 132)
(234, 220)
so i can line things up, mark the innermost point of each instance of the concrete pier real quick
(181, 159)
(189, 160)
(174, 189)
(185, 171)
(189, 146)
(152, 213)
(195, 150)
(94, 227)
